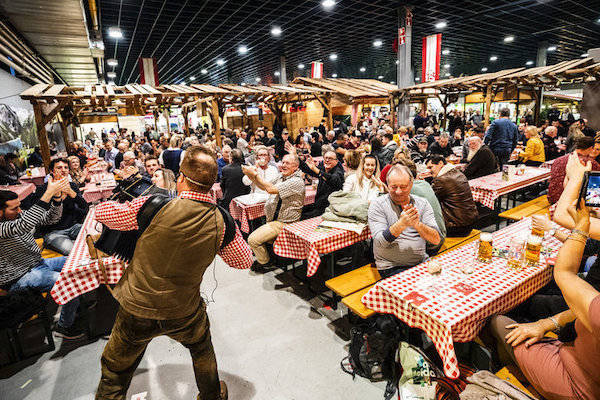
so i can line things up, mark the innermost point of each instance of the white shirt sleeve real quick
(349, 183)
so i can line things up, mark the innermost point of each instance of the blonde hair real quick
(532, 130)
(352, 158)
(169, 179)
(360, 171)
(176, 141)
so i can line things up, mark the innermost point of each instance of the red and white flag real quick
(432, 51)
(148, 72)
(316, 69)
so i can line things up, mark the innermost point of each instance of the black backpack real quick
(372, 351)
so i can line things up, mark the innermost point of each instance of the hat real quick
(423, 140)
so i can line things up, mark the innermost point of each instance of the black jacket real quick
(329, 182)
(443, 151)
(74, 209)
(483, 163)
(231, 184)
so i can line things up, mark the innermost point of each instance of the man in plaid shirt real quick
(159, 293)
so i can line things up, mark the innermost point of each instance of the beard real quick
(471, 154)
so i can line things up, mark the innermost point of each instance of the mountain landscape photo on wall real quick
(17, 122)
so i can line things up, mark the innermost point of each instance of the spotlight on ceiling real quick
(111, 75)
(441, 25)
(243, 83)
(446, 65)
(392, 83)
(377, 43)
(447, 74)
(275, 31)
(362, 69)
(204, 71)
(509, 39)
(484, 69)
(328, 4)
(417, 79)
(493, 58)
(277, 73)
(334, 76)
(220, 62)
(584, 55)
(380, 77)
(445, 52)
(112, 62)
(257, 79)
(242, 49)
(552, 48)
(111, 83)
(529, 62)
(333, 57)
(115, 32)
(300, 66)
(192, 78)
(397, 62)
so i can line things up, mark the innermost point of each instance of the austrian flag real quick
(432, 50)
(148, 72)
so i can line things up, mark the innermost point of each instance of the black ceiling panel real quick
(186, 36)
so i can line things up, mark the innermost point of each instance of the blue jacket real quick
(502, 136)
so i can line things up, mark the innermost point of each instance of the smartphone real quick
(590, 189)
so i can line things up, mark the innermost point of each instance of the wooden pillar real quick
(166, 115)
(216, 119)
(329, 113)
(186, 124)
(64, 127)
(488, 106)
(42, 135)
(538, 105)
(393, 112)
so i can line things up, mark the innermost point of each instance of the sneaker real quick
(258, 267)
(223, 395)
(69, 333)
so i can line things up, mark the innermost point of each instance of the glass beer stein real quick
(484, 253)
(532, 250)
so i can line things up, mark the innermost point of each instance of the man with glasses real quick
(265, 171)
(283, 206)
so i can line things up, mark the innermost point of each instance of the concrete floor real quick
(273, 340)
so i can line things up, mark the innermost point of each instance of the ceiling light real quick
(300, 66)
(552, 48)
(115, 32)
(446, 65)
(242, 49)
(529, 62)
(493, 58)
(277, 73)
(243, 83)
(397, 62)
(417, 79)
(333, 57)
(112, 62)
(334, 76)
(484, 69)
(257, 79)
(380, 77)
(362, 69)
(509, 39)
(377, 43)
(584, 55)
(275, 31)
(192, 78)
(111, 83)
(447, 74)
(445, 52)
(328, 4)
(111, 75)
(441, 25)
(392, 82)
(220, 62)
(203, 71)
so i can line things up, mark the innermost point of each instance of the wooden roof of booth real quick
(96, 97)
(353, 88)
(551, 76)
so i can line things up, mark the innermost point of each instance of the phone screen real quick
(592, 193)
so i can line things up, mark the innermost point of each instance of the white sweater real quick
(368, 191)
(269, 175)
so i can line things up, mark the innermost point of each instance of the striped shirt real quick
(19, 252)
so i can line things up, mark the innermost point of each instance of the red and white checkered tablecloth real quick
(92, 192)
(302, 240)
(23, 190)
(454, 306)
(37, 176)
(245, 213)
(487, 189)
(81, 274)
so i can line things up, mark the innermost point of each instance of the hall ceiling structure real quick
(189, 36)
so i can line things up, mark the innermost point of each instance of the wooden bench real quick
(350, 282)
(356, 306)
(452, 242)
(505, 374)
(532, 207)
(47, 253)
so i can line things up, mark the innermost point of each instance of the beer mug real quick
(28, 172)
(516, 253)
(537, 231)
(484, 253)
(532, 250)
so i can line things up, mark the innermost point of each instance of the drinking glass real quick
(516, 253)
(532, 250)
(484, 252)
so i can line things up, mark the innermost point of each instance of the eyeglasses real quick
(330, 158)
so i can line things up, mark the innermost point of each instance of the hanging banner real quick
(148, 72)
(316, 69)
(432, 50)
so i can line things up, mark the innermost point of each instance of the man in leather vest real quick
(159, 293)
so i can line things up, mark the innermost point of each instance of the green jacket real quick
(346, 207)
